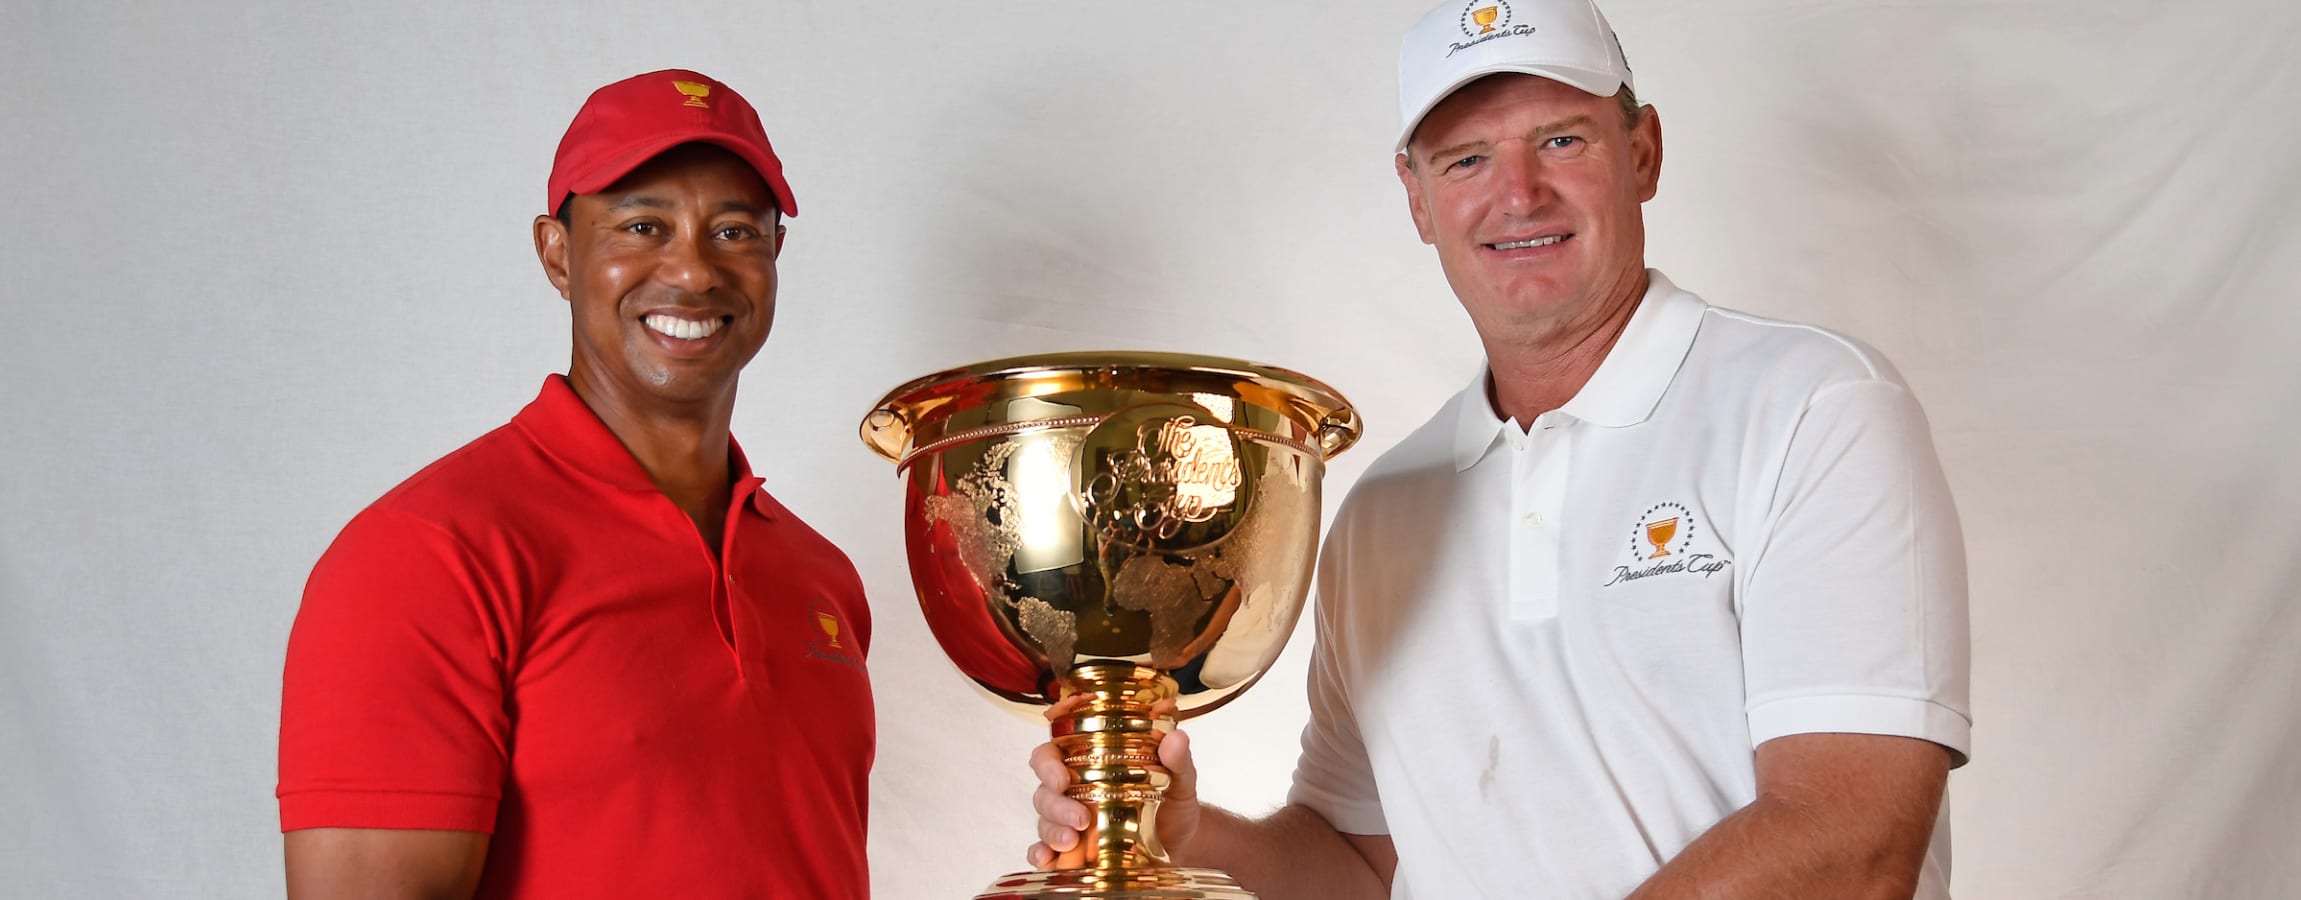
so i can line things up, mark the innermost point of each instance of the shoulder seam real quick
(1869, 365)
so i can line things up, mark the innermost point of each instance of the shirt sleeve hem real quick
(1864, 714)
(1347, 816)
(387, 809)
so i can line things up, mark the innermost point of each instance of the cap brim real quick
(599, 177)
(1588, 81)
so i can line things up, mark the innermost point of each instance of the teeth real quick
(683, 329)
(1537, 242)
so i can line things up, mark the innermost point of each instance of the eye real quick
(1466, 162)
(735, 233)
(645, 229)
(1562, 142)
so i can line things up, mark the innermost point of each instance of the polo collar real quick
(1628, 385)
(566, 429)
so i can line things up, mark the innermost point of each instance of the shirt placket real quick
(750, 643)
(1542, 457)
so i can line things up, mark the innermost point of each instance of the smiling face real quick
(669, 274)
(1530, 190)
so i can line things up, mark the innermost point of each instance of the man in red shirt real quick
(587, 655)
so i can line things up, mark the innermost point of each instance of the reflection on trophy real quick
(1120, 535)
(1485, 18)
(1658, 533)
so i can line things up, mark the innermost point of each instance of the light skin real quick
(691, 235)
(1531, 192)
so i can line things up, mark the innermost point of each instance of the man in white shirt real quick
(1669, 602)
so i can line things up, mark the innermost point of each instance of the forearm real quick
(1292, 854)
(1774, 848)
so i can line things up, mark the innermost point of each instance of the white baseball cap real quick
(1567, 41)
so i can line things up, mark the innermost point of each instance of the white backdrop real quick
(265, 258)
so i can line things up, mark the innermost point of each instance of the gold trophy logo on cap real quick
(1128, 537)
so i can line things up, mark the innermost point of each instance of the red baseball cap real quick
(627, 123)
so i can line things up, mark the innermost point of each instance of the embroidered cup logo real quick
(695, 91)
(1664, 529)
(823, 641)
(1486, 20)
(1662, 543)
(1658, 534)
(1488, 16)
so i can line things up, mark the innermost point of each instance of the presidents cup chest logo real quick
(828, 638)
(1668, 540)
(1485, 20)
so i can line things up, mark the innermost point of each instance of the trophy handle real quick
(1336, 432)
(885, 430)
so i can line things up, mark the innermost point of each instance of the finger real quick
(1047, 763)
(1074, 858)
(1057, 836)
(1174, 754)
(1041, 857)
(1058, 808)
(1065, 705)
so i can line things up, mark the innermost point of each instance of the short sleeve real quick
(392, 711)
(1334, 777)
(1854, 613)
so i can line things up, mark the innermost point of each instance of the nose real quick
(1519, 184)
(687, 263)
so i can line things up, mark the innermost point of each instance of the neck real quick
(683, 448)
(1539, 371)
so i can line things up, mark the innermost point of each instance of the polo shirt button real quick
(1533, 520)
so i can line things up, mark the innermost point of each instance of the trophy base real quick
(1155, 883)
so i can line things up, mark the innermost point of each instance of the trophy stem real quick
(1110, 742)
(1109, 733)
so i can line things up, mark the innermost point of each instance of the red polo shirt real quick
(528, 638)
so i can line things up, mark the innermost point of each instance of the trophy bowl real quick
(1127, 537)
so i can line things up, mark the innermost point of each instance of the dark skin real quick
(692, 235)
(687, 241)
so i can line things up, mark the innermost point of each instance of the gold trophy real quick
(1126, 536)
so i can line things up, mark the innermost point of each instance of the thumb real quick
(1174, 753)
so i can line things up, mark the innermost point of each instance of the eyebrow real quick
(745, 207)
(1449, 151)
(648, 201)
(1582, 122)
(640, 201)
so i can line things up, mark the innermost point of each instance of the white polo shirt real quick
(1544, 656)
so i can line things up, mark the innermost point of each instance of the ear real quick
(551, 250)
(781, 234)
(1415, 200)
(1646, 153)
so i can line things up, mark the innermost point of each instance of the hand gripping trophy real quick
(1119, 535)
